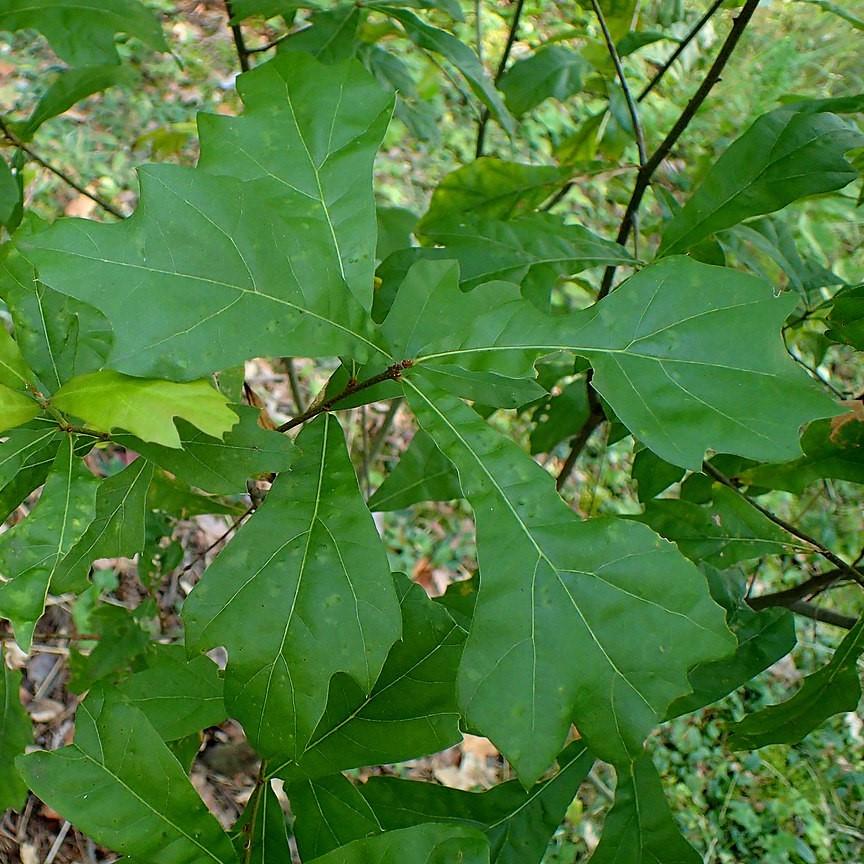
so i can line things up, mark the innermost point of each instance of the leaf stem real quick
(15, 141)
(502, 65)
(646, 172)
(622, 80)
(391, 373)
(822, 550)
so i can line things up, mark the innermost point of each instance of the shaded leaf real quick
(117, 529)
(316, 598)
(653, 474)
(138, 799)
(553, 71)
(10, 195)
(31, 551)
(559, 417)
(551, 587)
(411, 710)
(846, 319)
(260, 835)
(220, 465)
(107, 400)
(15, 734)
(783, 156)
(834, 688)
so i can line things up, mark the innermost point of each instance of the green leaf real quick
(210, 253)
(107, 400)
(15, 408)
(395, 226)
(316, 598)
(552, 72)
(423, 844)
(764, 637)
(10, 195)
(653, 474)
(517, 822)
(69, 87)
(832, 450)
(411, 710)
(260, 835)
(117, 529)
(783, 156)
(176, 498)
(490, 188)
(639, 828)
(331, 36)
(722, 534)
(662, 359)
(307, 127)
(839, 11)
(330, 812)
(32, 551)
(221, 466)
(13, 370)
(27, 448)
(460, 55)
(552, 587)
(178, 696)
(846, 319)
(83, 33)
(559, 417)
(15, 734)
(60, 337)
(831, 690)
(136, 798)
(423, 473)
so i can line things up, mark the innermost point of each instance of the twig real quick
(294, 384)
(646, 172)
(827, 616)
(580, 439)
(679, 50)
(57, 172)
(502, 65)
(231, 528)
(239, 41)
(823, 550)
(261, 48)
(58, 842)
(811, 370)
(811, 587)
(380, 435)
(391, 373)
(622, 80)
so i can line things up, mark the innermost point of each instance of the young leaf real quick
(722, 534)
(553, 71)
(831, 690)
(490, 188)
(410, 712)
(639, 828)
(117, 529)
(279, 267)
(16, 733)
(121, 784)
(83, 34)
(178, 696)
(517, 822)
(17, 406)
(785, 155)
(552, 587)
(69, 87)
(221, 466)
(316, 598)
(330, 812)
(423, 473)
(107, 400)
(307, 127)
(460, 55)
(260, 835)
(432, 843)
(31, 552)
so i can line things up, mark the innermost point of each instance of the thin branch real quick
(806, 590)
(391, 373)
(643, 179)
(294, 385)
(224, 536)
(580, 439)
(380, 435)
(622, 80)
(502, 65)
(850, 569)
(682, 46)
(827, 616)
(812, 371)
(57, 172)
(261, 48)
(239, 41)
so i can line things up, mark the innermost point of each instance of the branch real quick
(682, 45)
(643, 179)
(391, 373)
(812, 586)
(239, 41)
(502, 65)
(580, 439)
(850, 569)
(628, 96)
(817, 613)
(96, 199)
